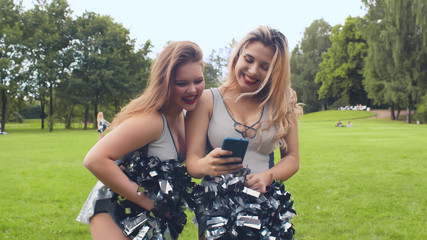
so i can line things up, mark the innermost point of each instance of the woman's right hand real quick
(145, 201)
(215, 165)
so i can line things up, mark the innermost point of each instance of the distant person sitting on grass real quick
(339, 124)
(349, 125)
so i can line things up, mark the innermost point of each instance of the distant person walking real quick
(102, 125)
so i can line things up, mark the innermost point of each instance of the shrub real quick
(421, 112)
(15, 117)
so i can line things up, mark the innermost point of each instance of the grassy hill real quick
(335, 115)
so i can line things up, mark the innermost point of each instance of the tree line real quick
(71, 68)
(379, 60)
(66, 64)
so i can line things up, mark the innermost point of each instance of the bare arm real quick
(196, 128)
(285, 168)
(289, 164)
(128, 136)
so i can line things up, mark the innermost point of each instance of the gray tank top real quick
(164, 148)
(260, 156)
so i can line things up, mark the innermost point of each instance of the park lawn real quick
(335, 115)
(365, 182)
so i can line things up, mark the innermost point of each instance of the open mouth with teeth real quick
(189, 99)
(248, 80)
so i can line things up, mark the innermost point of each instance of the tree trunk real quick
(42, 103)
(3, 109)
(70, 116)
(86, 117)
(408, 114)
(398, 113)
(116, 105)
(324, 107)
(51, 108)
(392, 116)
(408, 109)
(95, 115)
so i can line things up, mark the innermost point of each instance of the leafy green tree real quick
(137, 72)
(211, 75)
(405, 41)
(397, 33)
(70, 92)
(11, 34)
(51, 58)
(421, 113)
(107, 66)
(305, 61)
(341, 70)
(215, 69)
(379, 70)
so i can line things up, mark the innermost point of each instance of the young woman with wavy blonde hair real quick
(257, 103)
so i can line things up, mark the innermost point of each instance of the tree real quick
(51, 56)
(400, 79)
(137, 71)
(211, 75)
(107, 65)
(341, 70)
(421, 112)
(379, 69)
(10, 55)
(305, 62)
(403, 36)
(215, 69)
(69, 96)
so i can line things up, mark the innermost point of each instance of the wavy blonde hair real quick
(276, 88)
(100, 116)
(158, 92)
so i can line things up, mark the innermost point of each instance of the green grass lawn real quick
(365, 182)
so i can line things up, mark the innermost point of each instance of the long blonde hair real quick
(100, 116)
(158, 92)
(276, 88)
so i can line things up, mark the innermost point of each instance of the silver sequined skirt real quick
(99, 192)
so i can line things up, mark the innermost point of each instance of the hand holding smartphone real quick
(237, 146)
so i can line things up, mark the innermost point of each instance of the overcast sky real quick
(213, 24)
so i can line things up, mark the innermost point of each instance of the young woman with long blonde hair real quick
(256, 103)
(154, 119)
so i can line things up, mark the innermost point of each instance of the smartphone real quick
(237, 145)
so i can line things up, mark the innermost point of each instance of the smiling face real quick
(252, 66)
(188, 85)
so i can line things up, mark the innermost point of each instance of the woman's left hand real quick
(259, 181)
